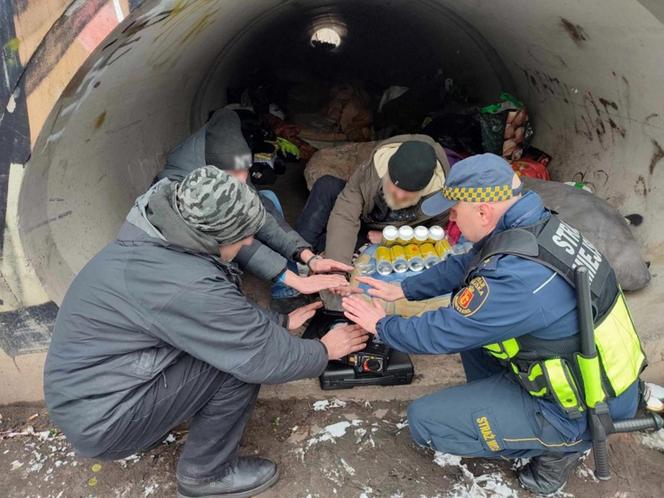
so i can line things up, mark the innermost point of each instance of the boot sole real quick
(240, 494)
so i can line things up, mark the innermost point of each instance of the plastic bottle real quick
(390, 235)
(384, 261)
(421, 235)
(399, 261)
(415, 261)
(406, 235)
(429, 254)
(436, 233)
(443, 248)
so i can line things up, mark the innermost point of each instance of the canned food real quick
(421, 234)
(399, 261)
(414, 257)
(429, 255)
(390, 235)
(406, 234)
(384, 261)
(443, 248)
(366, 267)
(436, 233)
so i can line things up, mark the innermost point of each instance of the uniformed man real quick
(513, 318)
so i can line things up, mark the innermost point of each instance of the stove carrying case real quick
(386, 366)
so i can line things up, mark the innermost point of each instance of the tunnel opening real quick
(157, 77)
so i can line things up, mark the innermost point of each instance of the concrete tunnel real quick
(590, 72)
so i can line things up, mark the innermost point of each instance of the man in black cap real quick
(386, 190)
(273, 254)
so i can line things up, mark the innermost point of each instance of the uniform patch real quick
(470, 299)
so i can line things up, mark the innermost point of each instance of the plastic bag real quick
(505, 127)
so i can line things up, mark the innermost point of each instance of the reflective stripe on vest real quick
(620, 361)
(566, 377)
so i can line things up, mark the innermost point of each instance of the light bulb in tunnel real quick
(326, 37)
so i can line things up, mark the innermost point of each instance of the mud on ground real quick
(327, 448)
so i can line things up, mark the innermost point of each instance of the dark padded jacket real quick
(136, 307)
(274, 244)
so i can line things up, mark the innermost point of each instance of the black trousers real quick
(312, 223)
(218, 404)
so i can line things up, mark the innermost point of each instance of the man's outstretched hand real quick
(344, 340)
(325, 265)
(382, 290)
(297, 317)
(365, 314)
(314, 283)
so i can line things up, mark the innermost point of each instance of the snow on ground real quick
(491, 485)
(324, 404)
(654, 440)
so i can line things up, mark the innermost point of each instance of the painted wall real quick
(43, 45)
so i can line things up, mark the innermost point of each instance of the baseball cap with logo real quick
(480, 178)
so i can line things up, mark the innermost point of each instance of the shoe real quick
(244, 478)
(548, 473)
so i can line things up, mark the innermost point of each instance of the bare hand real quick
(346, 291)
(341, 341)
(382, 290)
(375, 236)
(365, 314)
(325, 265)
(316, 283)
(297, 317)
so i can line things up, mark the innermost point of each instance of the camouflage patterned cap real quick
(216, 203)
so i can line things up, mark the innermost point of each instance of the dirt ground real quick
(326, 448)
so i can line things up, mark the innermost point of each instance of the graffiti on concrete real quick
(595, 118)
(14, 126)
(27, 330)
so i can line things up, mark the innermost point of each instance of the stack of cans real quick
(405, 248)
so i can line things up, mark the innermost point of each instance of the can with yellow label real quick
(406, 235)
(429, 255)
(384, 261)
(436, 233)
(414, 257)
(390, 235)
(399, 261)
(421, 234)
(443, 248)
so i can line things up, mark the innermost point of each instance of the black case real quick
(341, 376)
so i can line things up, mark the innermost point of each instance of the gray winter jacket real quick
(276, 242)
(136, 307)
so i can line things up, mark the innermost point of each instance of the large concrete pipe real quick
(103, 89)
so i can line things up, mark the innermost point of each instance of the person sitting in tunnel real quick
(513, 318)
(273, 254)
(388, 189)
(156, 330)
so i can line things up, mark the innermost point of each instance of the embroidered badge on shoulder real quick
(470, 300)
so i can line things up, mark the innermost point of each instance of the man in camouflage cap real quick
(156, 330)
(215, 203)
